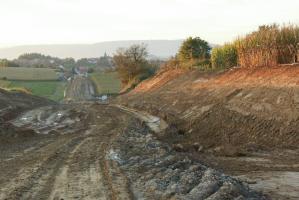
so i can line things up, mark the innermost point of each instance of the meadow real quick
(37, 81)
(106, 83)
(24, 73)
(53, 90)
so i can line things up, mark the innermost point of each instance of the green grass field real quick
(24, 73)
(106, 83)
(53, 90)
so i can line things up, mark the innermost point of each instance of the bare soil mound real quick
(13, 103)
(240, 121)
(239, 107)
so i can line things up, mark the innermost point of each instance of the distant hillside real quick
(158, 48)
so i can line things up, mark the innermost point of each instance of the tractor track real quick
(85, 150)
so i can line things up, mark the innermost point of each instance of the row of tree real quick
(133, 65)
(38, 60)
(7, 63)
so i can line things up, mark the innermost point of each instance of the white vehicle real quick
(103, 98)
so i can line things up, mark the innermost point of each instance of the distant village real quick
(66, 67)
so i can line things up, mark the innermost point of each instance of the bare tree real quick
(131, 63)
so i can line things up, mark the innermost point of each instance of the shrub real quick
(172, 63)
(196, 64)
(194, 48)
(193, 53)
(225, 56)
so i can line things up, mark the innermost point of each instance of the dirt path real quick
(80, 89)
(116, 156)
(70, 166)
(84, 150)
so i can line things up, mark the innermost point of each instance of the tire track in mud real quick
(38, 184)
(82, 180)
(80, 89)
(80, 165)
(22, 163)
(69, 166)
(115, 180)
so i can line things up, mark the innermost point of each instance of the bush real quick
(225, 56)
(7, 63)
(194, 48)
(193, 53)
(196, 64)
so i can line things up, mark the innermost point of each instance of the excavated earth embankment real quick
(242, 121)
(238, 107)
(13, 103)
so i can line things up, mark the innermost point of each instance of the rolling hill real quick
(157, 48)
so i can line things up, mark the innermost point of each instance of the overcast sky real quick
(90, 21)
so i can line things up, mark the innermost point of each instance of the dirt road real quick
(111, 155)
(56, 166)
(80, 89)
(90, 151)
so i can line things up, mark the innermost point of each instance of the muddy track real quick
(80, 89)
(62, 166)
(116, 157)
(84, 150)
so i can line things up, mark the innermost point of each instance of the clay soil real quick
(243, 122)
(86, 150)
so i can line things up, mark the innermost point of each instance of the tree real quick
(4, 63)
(194, 48)
(105, 61)
(68, 62)
(7, 63)
(131, 64)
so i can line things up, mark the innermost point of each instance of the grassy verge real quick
(106, 83)
(53, 90)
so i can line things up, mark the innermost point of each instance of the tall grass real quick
(225, 56)
(269, 46)
(288, 41)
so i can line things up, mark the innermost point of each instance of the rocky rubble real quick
(156, 171)
(13, 103)
(51, 119)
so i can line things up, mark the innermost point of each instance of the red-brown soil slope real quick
(237, 107)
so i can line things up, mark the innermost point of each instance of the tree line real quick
(270, 45)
